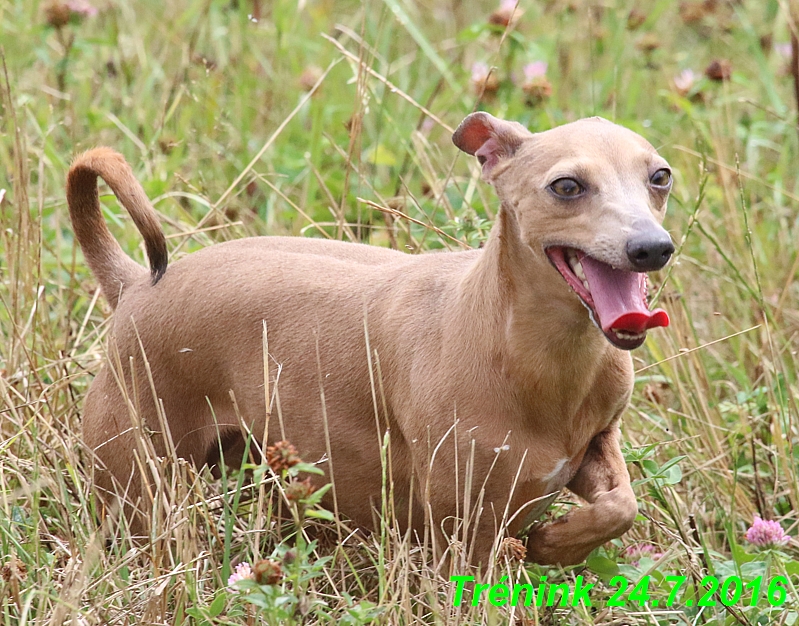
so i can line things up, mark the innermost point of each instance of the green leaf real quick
(471, 33)
(651, 467)
(308, 468)
(672, 462)
(316, 497)
(673, 475)
(379, 155)
(218, 605)
(323, 514)
(602, 565)
(740, 555)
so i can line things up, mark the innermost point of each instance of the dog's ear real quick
(489, 139)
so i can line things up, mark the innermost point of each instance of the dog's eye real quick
(567, 188)
(661, 178)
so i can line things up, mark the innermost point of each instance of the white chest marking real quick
(553, 483)
(555, 480)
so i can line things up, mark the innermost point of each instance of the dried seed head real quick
(513, 549)
(692, 12)
(484, 81)
(537, 90)
(719, 70)
(506, 14)
(14, 569)
(536, 86)
(648, 43)
(268, 572)
(57, 14)
(299, 490)
(396, 202)
(635, 18)
(309, 76)
(282, 456)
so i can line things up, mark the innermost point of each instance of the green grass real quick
(192, 90)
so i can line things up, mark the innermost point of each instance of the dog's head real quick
(591, 196)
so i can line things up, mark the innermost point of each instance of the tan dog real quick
(498, 387)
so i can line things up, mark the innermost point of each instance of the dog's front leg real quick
(603, 481)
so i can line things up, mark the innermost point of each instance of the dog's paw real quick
(554, 544)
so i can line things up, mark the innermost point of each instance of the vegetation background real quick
(333, 119)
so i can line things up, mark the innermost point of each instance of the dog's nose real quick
(650, 251)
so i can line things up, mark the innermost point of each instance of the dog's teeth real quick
(577, 268)
(628, 336)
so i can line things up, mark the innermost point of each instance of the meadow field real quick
(333, 118)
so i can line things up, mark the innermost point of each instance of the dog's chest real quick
(560, 429)
(561, 473)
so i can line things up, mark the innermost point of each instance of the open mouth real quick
(616, 299)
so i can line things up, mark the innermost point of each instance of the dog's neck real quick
(523, 307)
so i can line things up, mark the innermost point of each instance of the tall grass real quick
(211, 101)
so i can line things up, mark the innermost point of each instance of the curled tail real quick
(113, 268)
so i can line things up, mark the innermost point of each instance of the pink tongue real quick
(620, 298)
